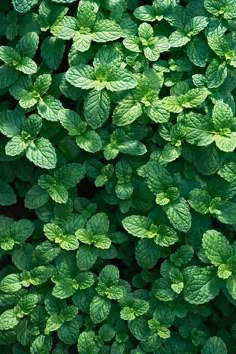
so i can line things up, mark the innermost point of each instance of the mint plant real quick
(117, 176)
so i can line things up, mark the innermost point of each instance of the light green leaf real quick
(82, 42)
(138, 226)
(200, 199)
(27, 66)
(222, 116)
(97, 106)
(70, 120)
(99, 309)
(105, 31)
(158, 178)
(42, 153)
(126, 112)
(198, 129)
(89, 141)
(53, 323)
(41, 345)
(178, 39)
(82, 76)
(179, 214)
(63, 289)
(24, 5)
(198, 52)
(8, 320)
(216, 73)
(217, 248)
(214, 345)
(145, 13)
(88, 343)
(120, 79)
(64, 28)
(49, 108)
(11, 283)
(16, 146)
(201, 284)
(226, 143)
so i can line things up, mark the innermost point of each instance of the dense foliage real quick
(117, 176)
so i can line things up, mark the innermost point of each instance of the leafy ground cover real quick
(117, 176)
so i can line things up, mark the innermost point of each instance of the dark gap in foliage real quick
(17, 211)
(64, 65)
(87, 189)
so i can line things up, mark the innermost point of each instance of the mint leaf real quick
(214, 345)
(201, 284)
(42, 153)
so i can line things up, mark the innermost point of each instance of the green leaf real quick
(53, 323)
(222, 116)
(158, 178)
(7, 194)
(226, 143)
(41, 345)
(8, 75)
(217, 248)
(89, 141)
(11, 283)
(27, 66)
(70, 120)
(82, 76)
(82, 42)
(194, 97)
(198, 129)
(214, 345)
(9, 55)
(147, 254)
(178, 39)
(138, 226)
(201, 284)
(36, 197)
(88, 343)
(69, 175)
(49, 108)
(145, 13)
(16, 146)
(64, 28)
(216, 73)
(179, 214)
(24, 5)
(42, 153)
(69, 332)
(42, 84)
(105, 31)
(198, 52)
(52, 51)
(63, 289)
(86, 15)
(86, 257)
(97, 108)
(120, 79)
(126, 112)
(28, 44)
(8, 320)
(199, 200)
(98, 224)
(99, 309)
